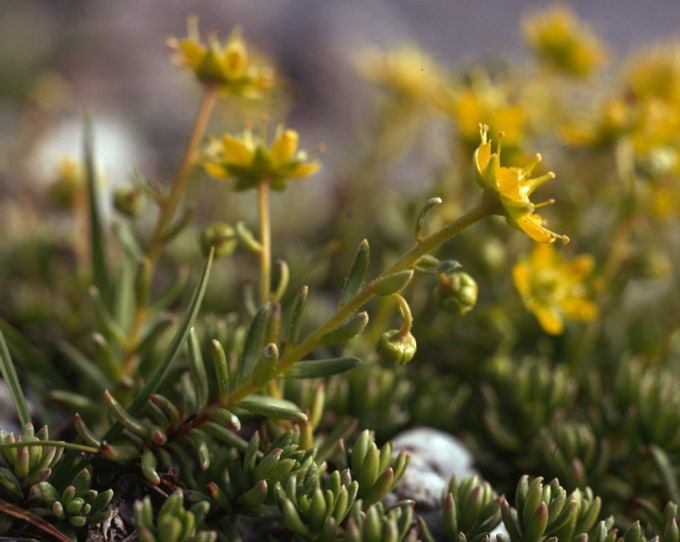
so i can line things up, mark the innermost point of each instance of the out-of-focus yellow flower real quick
(250, 161)
(408, 72)
(562, 42)
(488, 105)
(228, 65)
(613, 121)
(655, 74)
(553, 288)
(513, 186)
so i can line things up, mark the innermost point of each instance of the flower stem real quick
(265, 241)
(406, 315)
(167, 212)
(485, 208)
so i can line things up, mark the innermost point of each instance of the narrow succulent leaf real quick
(163, 368)
(343, 333)
(420, 220)
(9, 375)
(297, 311)
(322, 368)
(392, 283)
(148, 465)
(198, 371)
(272, 407)
(252, 349)
(100, 273)
(225, 418)
(668, 476)
(225, 436)
(124, 417)
(221, 367)
(84, 432)
(357, 274)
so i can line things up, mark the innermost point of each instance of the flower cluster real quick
(229, 65)
(512, 186)
(249, 160)
(563, 43)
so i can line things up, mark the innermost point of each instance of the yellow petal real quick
(581, 266)
(234, 59)
(521, 278)
(550, 320)
(236, 151)
(284, 146)
(544, 256)
(532, 225)
(192, 53)
(216, 170)
(579, 308)
(508, 183)
(482, 156)
(303, 170)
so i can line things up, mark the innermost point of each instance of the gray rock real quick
(435, 457)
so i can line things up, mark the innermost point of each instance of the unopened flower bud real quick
(128, 200)
(394, 348)
(457, 292)
(221, 236)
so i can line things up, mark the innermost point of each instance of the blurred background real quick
(109, 57)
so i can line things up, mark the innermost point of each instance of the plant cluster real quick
(187, 414)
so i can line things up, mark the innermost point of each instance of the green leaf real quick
(252, 349)
(272, 407)
(322, 367)
(100, 272)
(161, 371)
(198, 369)
(357, 273)
(11, 379)
(296, 316)
(668, 476)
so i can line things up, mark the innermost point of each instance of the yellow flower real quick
(227, 65)
(655, 73)
(562, 42)
(488, 103)
(614, 120)
(513, 186)
(553, 288)
(248, 159)
(408, 72)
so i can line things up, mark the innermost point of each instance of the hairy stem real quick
(167, 213)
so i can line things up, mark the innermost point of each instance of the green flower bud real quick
(128, 200)
(395, 348)
(221, 236)
(457, 292)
